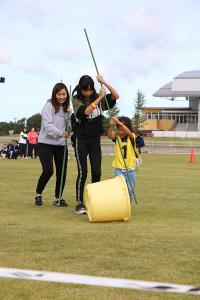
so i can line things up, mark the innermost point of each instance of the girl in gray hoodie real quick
(55, 128)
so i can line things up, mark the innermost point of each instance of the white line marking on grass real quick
(99, 281)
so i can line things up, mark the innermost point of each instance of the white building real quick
(185, 85)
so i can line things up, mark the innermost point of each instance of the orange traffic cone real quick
(192, 157)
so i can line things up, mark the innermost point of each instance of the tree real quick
(34, 121)
(16, 126)
(113, 112)
(139, 117)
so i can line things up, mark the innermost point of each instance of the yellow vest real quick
(128, 153)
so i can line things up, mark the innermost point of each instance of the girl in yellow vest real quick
(131, 156)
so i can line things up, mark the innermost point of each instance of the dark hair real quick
(86, 82)
(57, 88)
(126, 121)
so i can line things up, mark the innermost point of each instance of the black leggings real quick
(83, 148)
(23, 150)
(32, 147)
(46, 154)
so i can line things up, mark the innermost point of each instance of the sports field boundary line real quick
(99, 281)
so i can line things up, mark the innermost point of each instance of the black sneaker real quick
(80, 209)
(38, 201)
(61, 203)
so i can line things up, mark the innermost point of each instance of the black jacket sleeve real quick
(80, 114)
(110, 100)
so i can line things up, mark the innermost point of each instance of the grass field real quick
(160, 243)
(105, 140)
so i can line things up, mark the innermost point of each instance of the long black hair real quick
(85, 83)
(127, 122)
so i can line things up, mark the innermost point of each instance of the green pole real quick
(64, 156)
(95, 64)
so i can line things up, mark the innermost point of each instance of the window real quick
(154, 116)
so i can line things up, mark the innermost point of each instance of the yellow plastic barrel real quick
(108, 200)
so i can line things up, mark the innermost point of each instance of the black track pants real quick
(48, 153)
(32, 147)
(23, 150)
(83, 148)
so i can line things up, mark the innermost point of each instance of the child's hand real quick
(115, 120)
(65, 134)
(100, 79)
(69, 110)
(112, 122)
(138, 162)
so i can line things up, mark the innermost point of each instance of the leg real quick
(21, 149)
(130, 180)
(24, 150)
(95, 160)
(81, 151)
(30, 150)
(118, 172)
(35, 150)
(46, 158)
(58, 159)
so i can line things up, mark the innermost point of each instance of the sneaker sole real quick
(55, 204)
(80, 212)
(38, 206)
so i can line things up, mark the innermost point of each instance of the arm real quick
(113, 92)
(47, 118)
(111, 134)
(82, 111)
(24, 136)
(92, 106)
(123, 126)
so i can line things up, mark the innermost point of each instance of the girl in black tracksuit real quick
(87, 127)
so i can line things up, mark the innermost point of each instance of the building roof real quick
(189, 74)
(167, 108)
(186, 84)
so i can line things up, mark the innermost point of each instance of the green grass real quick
(160, 243)
(6, 139)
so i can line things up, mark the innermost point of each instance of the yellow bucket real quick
(108, 200)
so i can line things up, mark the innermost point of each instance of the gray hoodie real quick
(53, 125)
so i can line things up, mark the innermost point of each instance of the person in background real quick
(3, 151)
(23, 143)
(13, 150)
(139, 141)
(32, 145)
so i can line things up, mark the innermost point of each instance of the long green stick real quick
(110, 115)
(64, 156)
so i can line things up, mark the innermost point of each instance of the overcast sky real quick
(138, 45)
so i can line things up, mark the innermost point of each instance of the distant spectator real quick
(139, 141)
(3, 151)
(32, 139)
(13, 150)
(23, 143)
